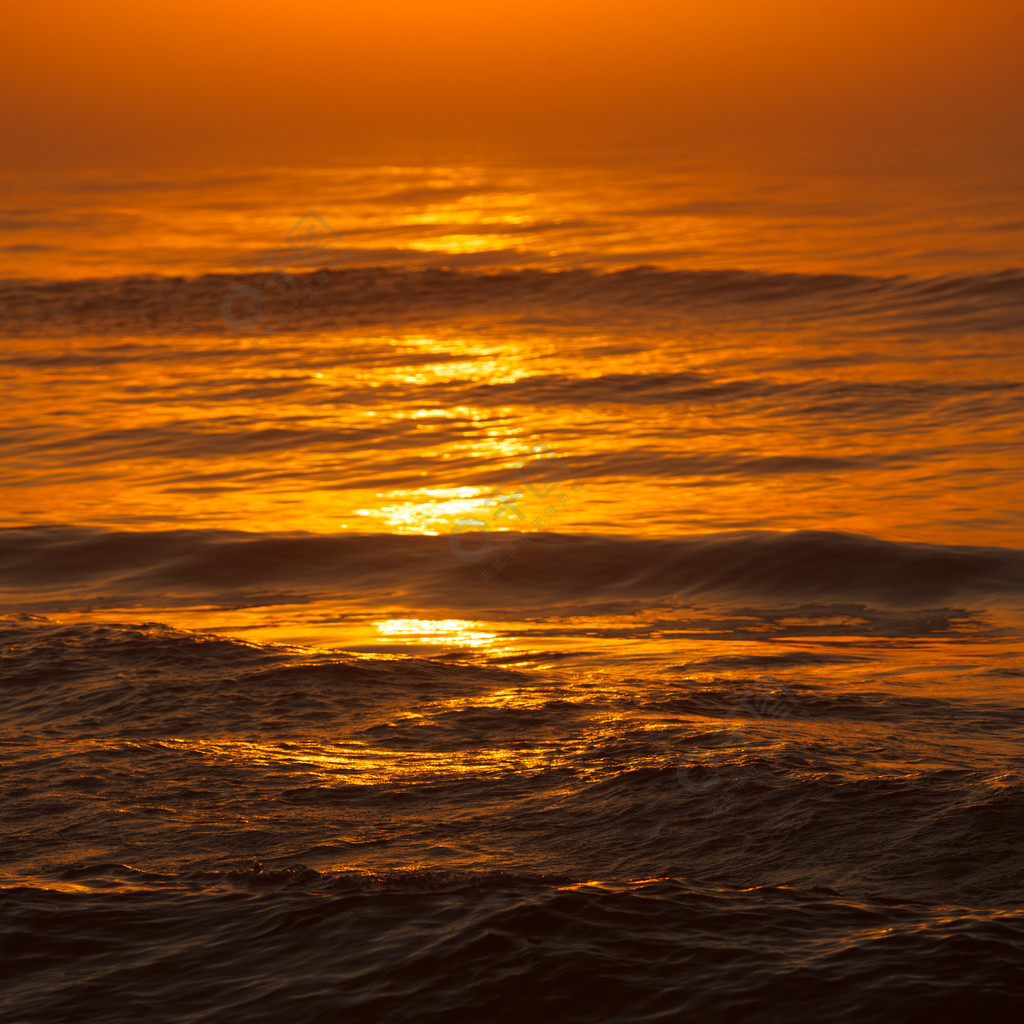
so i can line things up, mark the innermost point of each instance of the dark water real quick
(627, 802)
(580, 643)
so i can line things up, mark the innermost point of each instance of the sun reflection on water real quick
(461, 632)
(426, 511)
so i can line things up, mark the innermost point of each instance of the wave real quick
(250, 304)
(436, 948)
(87, 565)
(836, 860)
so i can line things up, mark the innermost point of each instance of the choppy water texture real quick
(616, 621)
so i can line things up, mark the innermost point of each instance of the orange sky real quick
(196, 81)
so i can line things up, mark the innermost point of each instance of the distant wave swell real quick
(154, 304)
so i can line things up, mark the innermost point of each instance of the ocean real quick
(499, 594)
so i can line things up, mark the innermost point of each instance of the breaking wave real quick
(229, 567)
